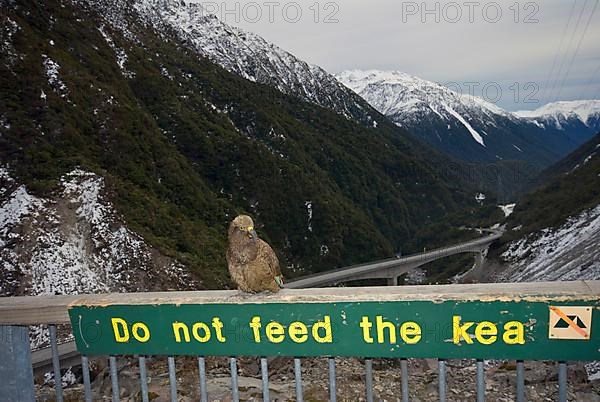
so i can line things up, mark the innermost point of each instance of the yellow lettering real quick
(196, 332)
(255, 325)
(218, 326)
(325, 325)
(298, 332)
(410, 332)
(366, 325)
(460, 331)
(275, 332)
(144, 328)
(178, 328)
(381, 325)
(120, 330)
(514, 333)
(486, 332)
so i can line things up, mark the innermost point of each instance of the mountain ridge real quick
(465, 126)
(241, 52)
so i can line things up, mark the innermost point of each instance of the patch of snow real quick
(8, 29)
(52, 70)
(120, 54)
(309, 211)
(18, 205)
(324, 250)
(589, 158)
(476, 136)
(4, 123)
(508, 209)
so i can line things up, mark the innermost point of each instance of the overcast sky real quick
(486, 42)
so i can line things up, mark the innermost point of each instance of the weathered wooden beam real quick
(54, 309)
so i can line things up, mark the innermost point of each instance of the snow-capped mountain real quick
(240, 52)
(566, 115)
(465, 126)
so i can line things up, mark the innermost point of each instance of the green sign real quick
(420, 329)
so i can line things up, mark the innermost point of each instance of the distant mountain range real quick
(470, 128)
(582, 116)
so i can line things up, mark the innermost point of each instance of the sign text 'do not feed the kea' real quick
(421, 329)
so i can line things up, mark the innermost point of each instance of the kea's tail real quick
(279, 280)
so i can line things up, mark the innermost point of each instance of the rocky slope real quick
(554, 232)
(75, 242)
(569, 252)
(466, 126)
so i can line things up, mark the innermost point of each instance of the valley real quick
(132, 132)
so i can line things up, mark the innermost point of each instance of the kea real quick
(252, 263)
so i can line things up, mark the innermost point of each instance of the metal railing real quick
(19, 312)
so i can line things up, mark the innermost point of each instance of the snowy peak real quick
(584, 110)
(393, 92)
(410, 101)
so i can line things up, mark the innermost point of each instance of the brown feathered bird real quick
(252, 263)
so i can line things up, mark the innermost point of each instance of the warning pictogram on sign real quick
(569, 322)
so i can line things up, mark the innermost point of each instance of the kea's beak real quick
(252, 234)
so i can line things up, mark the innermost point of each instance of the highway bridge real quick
(392, 268)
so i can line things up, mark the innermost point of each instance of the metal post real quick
(56, 364)
(172, 378)
(235, 393)
(298, 377)
(264, 371)
(87, 386)
(442, 379)
(480, 382)
(202, 370)
(332, 385)
(114, 377)
(562, 382)
(520, 381)
(369, 379)
(143, 379)
(15, 364)
(404, 371)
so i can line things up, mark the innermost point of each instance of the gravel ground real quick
(540, 381)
